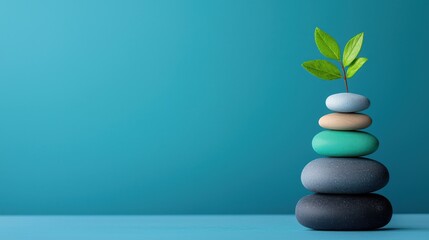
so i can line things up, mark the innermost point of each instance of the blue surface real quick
(247, 227)
(175, 107)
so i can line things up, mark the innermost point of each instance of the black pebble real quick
(344, 212)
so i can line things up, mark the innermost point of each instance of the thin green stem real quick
(345, 76)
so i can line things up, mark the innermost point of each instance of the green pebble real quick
(344, 143)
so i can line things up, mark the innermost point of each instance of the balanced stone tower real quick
(343, 181)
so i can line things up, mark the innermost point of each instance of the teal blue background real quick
(195, 107)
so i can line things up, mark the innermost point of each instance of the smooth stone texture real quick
(343, 212)
(344, 143)
(347, 102)
(345, 121)
(344, 175)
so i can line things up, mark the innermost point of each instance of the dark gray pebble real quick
(343, 212)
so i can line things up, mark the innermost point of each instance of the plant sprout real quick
(329, 48)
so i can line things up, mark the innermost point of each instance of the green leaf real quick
(322, 69)
(355, 66)
(326, 44)
(352, 49)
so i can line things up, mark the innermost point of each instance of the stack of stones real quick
(343, 181)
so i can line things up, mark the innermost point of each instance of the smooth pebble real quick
(344, 175)
(347, 102)
(345, 121)
(344, 212)
(344, 143)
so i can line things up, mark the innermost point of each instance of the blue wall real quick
(168, 107)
